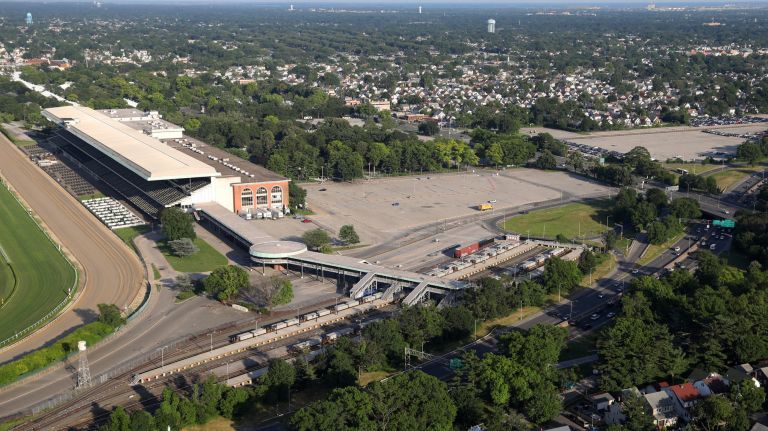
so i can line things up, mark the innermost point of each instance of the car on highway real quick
(595, 316)
(610, 315)
(635, 271)
(601, 295)
(677, 249)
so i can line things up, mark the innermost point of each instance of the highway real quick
(111, 272)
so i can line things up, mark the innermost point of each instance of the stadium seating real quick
(148, 196)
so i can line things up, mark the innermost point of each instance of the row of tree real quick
(203, 402)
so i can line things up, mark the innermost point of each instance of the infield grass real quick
(571, 220)
(205, 260)
(43, 275)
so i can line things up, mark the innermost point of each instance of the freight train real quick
(304, 318)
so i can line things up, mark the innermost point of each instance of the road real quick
(111, 273)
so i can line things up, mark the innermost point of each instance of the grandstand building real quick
(153, 165)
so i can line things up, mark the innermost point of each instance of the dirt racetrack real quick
(111, 271)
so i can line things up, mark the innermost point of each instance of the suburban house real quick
(662, 406)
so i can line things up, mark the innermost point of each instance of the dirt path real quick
(111, 273)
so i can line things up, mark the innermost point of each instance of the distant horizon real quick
(357, 4)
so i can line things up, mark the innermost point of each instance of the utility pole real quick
(162, 356)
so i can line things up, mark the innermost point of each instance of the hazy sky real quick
(400, 3)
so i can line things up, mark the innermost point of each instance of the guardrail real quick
(71, 292)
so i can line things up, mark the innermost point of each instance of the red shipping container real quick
(466, 249)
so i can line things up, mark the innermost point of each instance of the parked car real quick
(306, 220)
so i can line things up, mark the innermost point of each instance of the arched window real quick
(261, 196)
(246, 198)
(277, 195)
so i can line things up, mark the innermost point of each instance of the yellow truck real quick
(485, 207)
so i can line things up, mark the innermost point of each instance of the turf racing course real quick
(31, 263)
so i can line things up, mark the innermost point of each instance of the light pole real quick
(162, 355)
(211, 335)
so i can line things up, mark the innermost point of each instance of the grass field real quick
(571, 220)
(7, 280)
(43, 274)
(727, 179)
(693, 168)
(655, 251)
(205, 260)
(127, 234)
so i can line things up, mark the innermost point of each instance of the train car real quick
(340, 307)
(353, 303)
(304, 346)
(309, 316)
(259, 331)
(292, 322)
(332, 337)
(241, 336)
(366, 299)
(323, 312)
(378, 295)
(278, 325)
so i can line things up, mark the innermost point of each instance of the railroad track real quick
(93, 405)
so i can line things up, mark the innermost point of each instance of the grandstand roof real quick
(142, 154)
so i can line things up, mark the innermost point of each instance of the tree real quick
(587, 262)
(142, 421)
(657, 233)
(183, 247)
(348, 235)
(225, 281)
(412, 401)
(750, 151)
(609, 238)
(296, 195)
(685, 208)
(713, 412)
(625, 358)
(184, 282)
(657, 197)
(546, 161)
(345, 409)
(544, 404)
(562, 274)
(429, 128)
(748, 396)
(283, 291)
(316, 239)
(118, 421)
(110, 315)
(278, 379)
(644, 214)
(177, 224)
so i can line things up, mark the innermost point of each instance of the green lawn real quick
(43, 274)
(655, 251)
(205, 260)
(693, 168)
(95, 195)
(7, 281)
(729, 178)
(587, 219)
(127, 234)
(603, 269)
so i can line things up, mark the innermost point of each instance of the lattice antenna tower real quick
(83, 371)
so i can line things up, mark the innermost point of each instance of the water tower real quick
(29, 18)
(491, 25)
